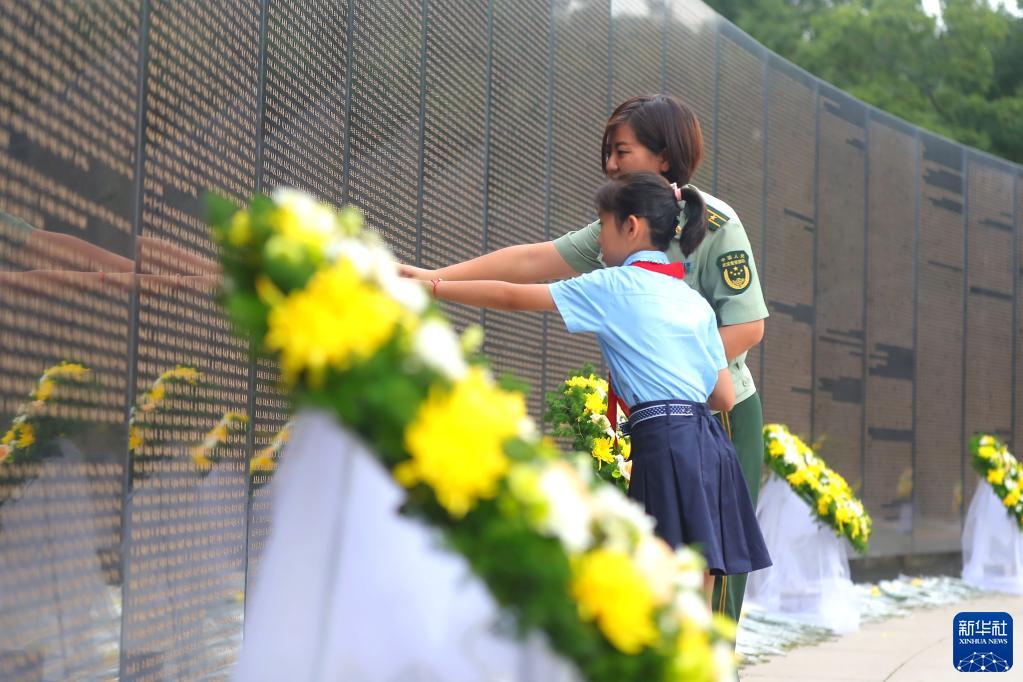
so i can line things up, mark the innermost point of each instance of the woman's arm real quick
(722, 398)
(522, 263)
(498, 295)
(739, 338)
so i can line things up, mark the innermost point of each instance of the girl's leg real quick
(708, 588)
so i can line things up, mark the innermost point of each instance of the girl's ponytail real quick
(695, 228)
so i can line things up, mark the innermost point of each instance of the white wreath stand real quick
(992, 544)
(809, 581)
(348, 589)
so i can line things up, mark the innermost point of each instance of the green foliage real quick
(569, 417)
(960, 76)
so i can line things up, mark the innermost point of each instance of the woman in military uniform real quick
(660, 134)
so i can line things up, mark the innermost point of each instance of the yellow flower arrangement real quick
(610, 590)
(33, 423)
(456, 441)
(992, 461)
(151, 400)
(203, 454)
(560, 550)
(579, 411)
(308, 328)
(826, 491)
(265, 460)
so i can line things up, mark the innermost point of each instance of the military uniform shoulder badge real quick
(715, 220)
(735, 270)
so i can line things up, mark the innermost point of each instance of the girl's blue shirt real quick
(660, 337)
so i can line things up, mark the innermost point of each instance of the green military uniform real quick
(723, 271)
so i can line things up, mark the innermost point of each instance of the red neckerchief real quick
(676, 270)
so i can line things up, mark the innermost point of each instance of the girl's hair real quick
(663, 125)
(648, 195)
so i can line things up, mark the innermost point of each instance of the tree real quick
(961, 76)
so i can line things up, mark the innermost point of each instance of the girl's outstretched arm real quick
(521, 263)
(498, 295)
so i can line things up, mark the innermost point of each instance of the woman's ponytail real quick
(695, 228)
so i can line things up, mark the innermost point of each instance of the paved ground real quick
(915, 648)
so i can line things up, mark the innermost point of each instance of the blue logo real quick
(982, 642)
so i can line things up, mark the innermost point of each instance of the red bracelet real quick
(435, 283)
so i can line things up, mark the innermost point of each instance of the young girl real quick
(659, 134)
(660, 340)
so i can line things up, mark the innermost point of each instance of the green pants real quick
(745, 426)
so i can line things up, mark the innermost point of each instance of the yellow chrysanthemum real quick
(610, 590)
(776, 449)
(580, 381)
(26, 436)
(135, 439)
(181, 373)
(8, 437)
(44, 391)
(987, 450)
(995, 476)
(155, 396)
(797, 477)
(303, 220)
(240, 231)
(602, 449)
(823, 502)
(1012, 498)
(201, 460)
(595, 404)
(334, 321)
(693, 657)
(262, 463)
(456, 441)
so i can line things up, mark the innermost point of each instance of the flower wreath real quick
(827, 493)
(578, 412)
(993, 461)
(35, 424)
(560, 551)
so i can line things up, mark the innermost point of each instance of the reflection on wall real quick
(138, 435)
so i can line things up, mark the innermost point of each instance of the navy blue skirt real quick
(686, 474)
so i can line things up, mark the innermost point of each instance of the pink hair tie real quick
(678, 191)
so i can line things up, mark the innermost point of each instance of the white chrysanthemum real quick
(409, 293)
(528, 431)
(791, 457)
(656, 561)
(569, 511)
(690, 566)
(604, 423)
(354, 251)
(690, 607)
(437, 347)
(315, 222)
(624, 467)
(622, 520)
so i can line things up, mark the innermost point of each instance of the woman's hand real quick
(412, 272)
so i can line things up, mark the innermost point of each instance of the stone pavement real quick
(914, 648)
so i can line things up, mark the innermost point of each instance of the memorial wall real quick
(139, 434)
